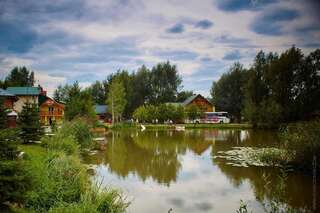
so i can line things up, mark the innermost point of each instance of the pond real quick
(162, 170)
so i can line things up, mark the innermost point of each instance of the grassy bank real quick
(60, 182)
(187, 126)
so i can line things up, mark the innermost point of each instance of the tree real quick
(165, 82)
(3, 114)
(29, 123)
(20, 77)
(98, 93)
(228, 92)
(116, 99)
(14, 179)
(193, 112)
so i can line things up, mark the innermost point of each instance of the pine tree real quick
(14, 179)
(29, 123)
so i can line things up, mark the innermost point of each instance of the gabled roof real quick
(100, 109)
(24, 90)
(6, 93)
(191, 98)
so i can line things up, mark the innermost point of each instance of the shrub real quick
(78, 128)
(303, 139)
(59, 178)
(61, 142)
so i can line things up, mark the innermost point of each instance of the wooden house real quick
(199, 101)
(51, 111)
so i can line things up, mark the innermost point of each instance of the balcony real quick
(51, 114)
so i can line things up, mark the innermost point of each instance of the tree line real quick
(276, 88)
(124, 92)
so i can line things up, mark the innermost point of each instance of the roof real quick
(24, 90)
(6, 93)
(189, 100)
(100, 109)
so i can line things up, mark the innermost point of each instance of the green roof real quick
(24, 90)
(6, 93)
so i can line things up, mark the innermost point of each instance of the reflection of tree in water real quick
(296, 185)
(151, 154)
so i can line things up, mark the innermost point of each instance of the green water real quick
(162, 170)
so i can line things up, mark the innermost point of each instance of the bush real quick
(59, 178)
(79, 129)
(61, 142)
(303, 139)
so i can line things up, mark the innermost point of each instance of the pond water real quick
(162, 170)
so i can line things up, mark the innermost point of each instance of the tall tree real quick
(228, 92)
(29, 123)
(20, 77)
(116, 99)
(165, 82)
(98, 92)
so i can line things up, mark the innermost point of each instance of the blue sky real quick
(85, 40)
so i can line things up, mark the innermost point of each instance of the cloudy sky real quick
(85, 40)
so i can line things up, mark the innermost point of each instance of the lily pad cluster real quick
(252, 156)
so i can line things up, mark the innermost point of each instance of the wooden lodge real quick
(51, 111)
(201, 102)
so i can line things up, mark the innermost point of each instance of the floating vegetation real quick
(252, 156)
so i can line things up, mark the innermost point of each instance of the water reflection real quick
(179, 171)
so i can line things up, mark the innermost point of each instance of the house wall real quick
(22, 100)
(55, 115)
(203, 104)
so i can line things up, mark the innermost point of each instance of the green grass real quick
(34, 151)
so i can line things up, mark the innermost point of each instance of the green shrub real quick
(80, 129)
(59, 178)
(60, 142)
(303, 139)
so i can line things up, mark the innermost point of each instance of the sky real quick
(64, 41)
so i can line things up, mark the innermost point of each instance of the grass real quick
(60, 182)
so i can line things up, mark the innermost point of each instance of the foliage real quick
(79, 129)
(14, 178)
(165, 83)
(193, 112)
(282, 88)
(61, 182)
(61, 142)
(78, 103)
(29, 123)
(303, 139)
(161, 113)
(116, 99)
(228, 92)
(57, 178)
(275, 89)
(20, 77)
(3, 114)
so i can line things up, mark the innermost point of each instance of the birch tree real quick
(116, 99)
